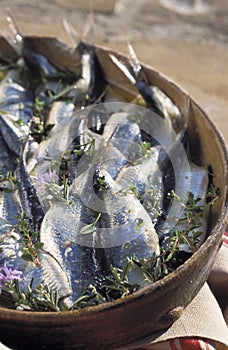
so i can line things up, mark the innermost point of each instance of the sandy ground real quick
(184, 39)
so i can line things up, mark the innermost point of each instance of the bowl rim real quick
(215, 234)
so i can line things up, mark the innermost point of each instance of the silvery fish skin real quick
(29, 199)
(15, 99)
(199, 181)
(140, 173)
(80, 253)
(10, 206)
(45, 164)
(60, 114)
(9, 201)
(125, 229)
(14, 136)
(144, 177)
(49, 272)
(92, 81)
(7, 158)
(118, 143)
(66, 222)
(16, 109)
(127, 219)
(60, 233)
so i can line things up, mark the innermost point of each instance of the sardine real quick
(157, 101)
(198, 178)
(125, 229)
(15, 99)
(9, 202)
(14, 136)
(49, 271)
(61, 234)
(119, 144)
(28, 195)
(8, 160)
(48, 158)
(59, 116)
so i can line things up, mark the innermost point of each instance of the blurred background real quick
(184, 39)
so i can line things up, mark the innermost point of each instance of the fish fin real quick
(73, 35)
(134, 60)
(123, 68)
(88, 26)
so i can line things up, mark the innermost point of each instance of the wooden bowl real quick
(158, 305)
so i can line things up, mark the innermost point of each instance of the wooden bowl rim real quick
(215, 234)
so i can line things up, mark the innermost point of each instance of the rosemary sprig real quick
(118, 285)
(40, 298)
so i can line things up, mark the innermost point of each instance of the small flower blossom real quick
(7, 274)
(47, 178)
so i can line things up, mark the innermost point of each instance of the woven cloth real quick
(203, 325)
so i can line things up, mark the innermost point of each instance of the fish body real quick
(59, 116)
(14, 136)
(125, 229)
(15, 98)
(49, 271)
(92, 82)
(60, 233)
(28, 195)
(9, 200)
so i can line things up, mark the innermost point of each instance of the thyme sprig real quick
(30, 240)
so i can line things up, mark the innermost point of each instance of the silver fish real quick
(154, 97)
(15, 99)
(60, 233)
(14, 136)
(9, 200)
(29, 199)
(199, 182)
(118, 144)
(45, 164)
(49, 272)
(59, 116)
(125, 229)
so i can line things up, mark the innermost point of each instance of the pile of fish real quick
(89, 172)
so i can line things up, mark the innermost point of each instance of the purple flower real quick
(7, 274)
(50, 177)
